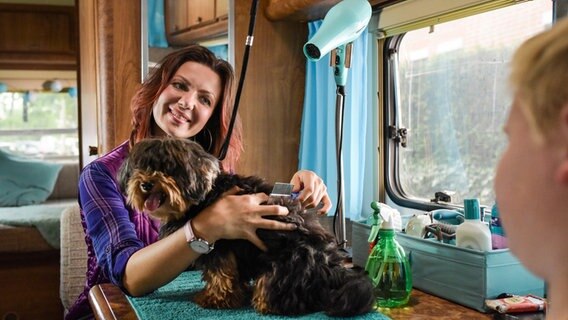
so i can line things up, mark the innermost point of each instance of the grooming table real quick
(173, 301)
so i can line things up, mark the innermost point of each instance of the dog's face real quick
(165, 177)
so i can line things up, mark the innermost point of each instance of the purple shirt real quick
(113, 230)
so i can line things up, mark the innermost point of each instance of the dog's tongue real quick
(153, 202)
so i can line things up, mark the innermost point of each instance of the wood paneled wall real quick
(273, 93)
(110, 68)
(119, 34)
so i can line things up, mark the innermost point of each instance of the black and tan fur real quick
(301, 272)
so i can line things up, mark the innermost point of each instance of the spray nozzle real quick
(386, 215)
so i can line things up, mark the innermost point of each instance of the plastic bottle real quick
(498, 240)
(388, 266)
(473, 233)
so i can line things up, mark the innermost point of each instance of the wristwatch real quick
(196, 244)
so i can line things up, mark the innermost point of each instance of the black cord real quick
(248, 45)
(339, 147)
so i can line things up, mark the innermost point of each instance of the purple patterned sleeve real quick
(114, 231)
(108, 220)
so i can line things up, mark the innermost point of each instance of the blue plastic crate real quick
(464, 276)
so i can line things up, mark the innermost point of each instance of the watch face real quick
(200, 246)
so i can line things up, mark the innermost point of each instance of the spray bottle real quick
(388, 266)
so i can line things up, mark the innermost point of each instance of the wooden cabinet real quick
(38, 37)
(221, 8)
(29, 283)
(182, 15)
(175, 15)
(191, 21)
(200, 11)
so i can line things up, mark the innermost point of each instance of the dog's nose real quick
(146, 186)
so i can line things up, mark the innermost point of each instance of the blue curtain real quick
(221, 51)
(156, 24)
(317, 142)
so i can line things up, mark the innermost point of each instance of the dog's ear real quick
(200, 170)
(203, 172)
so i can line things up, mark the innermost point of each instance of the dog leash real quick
(248, 45)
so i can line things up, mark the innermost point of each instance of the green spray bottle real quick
(387, 265)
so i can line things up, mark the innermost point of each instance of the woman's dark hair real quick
(157, 81)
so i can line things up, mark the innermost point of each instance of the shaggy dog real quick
(301, 272)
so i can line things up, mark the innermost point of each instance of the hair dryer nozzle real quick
(342, 24)
(312, 51)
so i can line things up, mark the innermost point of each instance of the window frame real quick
(391, 141)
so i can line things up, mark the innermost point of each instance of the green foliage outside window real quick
(39, 125)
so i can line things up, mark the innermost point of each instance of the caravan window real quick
(448, 101)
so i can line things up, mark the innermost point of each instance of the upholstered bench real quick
(30, 252)
(22, 227)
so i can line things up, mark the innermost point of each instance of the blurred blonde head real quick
(539, 78)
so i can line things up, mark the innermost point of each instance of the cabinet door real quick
(221, 8)
(200, 11)
(191, 21)
(176, 15)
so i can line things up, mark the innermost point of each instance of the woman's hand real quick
(237, 217)
(312, 190)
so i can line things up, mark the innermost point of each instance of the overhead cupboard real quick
(190, 21)
(38, 37)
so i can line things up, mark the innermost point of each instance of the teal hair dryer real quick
(342, 24)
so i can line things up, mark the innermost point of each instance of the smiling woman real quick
(188, 102)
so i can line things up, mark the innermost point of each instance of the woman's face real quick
(187, 103)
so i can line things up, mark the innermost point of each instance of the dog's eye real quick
(146, 186)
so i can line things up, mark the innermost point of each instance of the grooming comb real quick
(281, 189)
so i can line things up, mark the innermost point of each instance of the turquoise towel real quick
(45, 217)
(174, 301)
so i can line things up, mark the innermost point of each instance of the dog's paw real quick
(261, 306)
(259, 302)
(209, 300)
